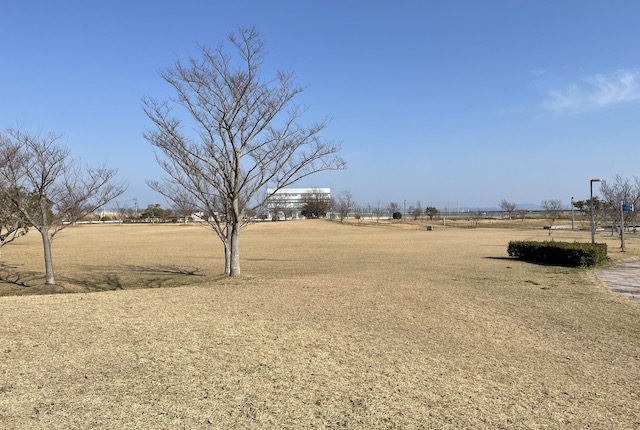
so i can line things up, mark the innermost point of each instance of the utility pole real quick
(572, 215)
(592, 209)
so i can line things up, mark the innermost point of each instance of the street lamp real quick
(593, 224)
(572, 216)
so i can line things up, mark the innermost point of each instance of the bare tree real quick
(614, 194)
(378, 211)
(522, 213)
(344, 205)
(184, 206)
(508, 207)
(586, 206)
(48, 188)
(474, 217)
(247, 135)
(315, 204)
(416, 210)
(552, 210)
(277, 207)
(392, 208)
(120, 211)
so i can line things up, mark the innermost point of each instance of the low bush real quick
(568, 254)
(397, 215)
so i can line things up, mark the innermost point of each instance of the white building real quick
(287, 203)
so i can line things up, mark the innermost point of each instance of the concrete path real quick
(623, 279)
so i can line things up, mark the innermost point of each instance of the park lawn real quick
(331, 326)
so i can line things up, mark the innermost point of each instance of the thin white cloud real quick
(596, 92)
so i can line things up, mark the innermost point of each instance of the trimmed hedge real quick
(568, 254)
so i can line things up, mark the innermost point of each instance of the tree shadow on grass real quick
(503, 258)
(10, 275)
(134, 277)
(100, 278)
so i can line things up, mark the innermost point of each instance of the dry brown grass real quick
(331, 326)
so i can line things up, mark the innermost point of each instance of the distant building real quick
(287, 203)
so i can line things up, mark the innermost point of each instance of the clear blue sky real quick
(460, 101)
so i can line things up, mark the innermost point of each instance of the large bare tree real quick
(48, 188)
(241, 134)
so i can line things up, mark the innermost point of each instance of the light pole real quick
(572, 216)
(591, 210)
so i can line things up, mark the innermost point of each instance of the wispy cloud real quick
(596, 92)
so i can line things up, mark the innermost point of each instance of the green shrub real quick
(568, 254)
(397, 215)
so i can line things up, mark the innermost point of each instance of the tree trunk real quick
(48, 257)
(227, 258)
(235, 249)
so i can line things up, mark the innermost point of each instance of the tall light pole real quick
(591, 210)
(572, 216)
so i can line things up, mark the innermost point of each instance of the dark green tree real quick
(155, 212)
(431, 212)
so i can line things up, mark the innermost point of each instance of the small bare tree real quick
(120, 211)
(247, 135)
(508, 207)
(552, 210)
(184, 207)
(392, 208)
(378, 211)
(522, 214)
(586, 206)
(344, 205)
(474, 217)
(276, 206)
(47, 188)
(416, 210)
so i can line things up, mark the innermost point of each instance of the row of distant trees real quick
(318, 205)
(608, 208)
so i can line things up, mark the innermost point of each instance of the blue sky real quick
(467, 102)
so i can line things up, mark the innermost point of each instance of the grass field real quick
(330, 326)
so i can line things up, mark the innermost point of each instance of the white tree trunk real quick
(235, 249)
(48, 257)
(227, 258)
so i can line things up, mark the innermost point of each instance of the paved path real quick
(624, 279)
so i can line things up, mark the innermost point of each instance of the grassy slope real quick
(331, 326)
